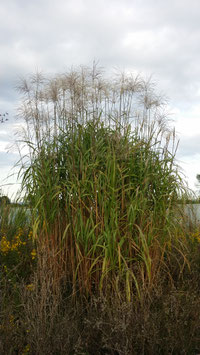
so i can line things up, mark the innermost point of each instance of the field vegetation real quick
(105, 261)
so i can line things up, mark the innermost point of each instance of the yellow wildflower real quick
(33, 254)
(196, 236)
(30, 235)
(5, 245)
(30, 287)
(26, 349)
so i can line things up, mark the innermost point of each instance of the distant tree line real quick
(4, 200)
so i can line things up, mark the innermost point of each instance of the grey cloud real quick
(150, 37)
(3, 137)
(55, 35)
(8, 159)
(189, 146)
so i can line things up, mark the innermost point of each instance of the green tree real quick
(4, 200)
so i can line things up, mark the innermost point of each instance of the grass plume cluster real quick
(102, 180)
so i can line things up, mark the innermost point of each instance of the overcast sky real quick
(158, 38)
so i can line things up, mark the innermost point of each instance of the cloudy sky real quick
(151, 37)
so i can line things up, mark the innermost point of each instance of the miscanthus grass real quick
(101, 180)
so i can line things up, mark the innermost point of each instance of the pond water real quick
(192, 211)
(17, 213)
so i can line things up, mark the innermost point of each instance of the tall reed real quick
(101, 180)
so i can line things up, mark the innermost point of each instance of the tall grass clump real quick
(101, 181)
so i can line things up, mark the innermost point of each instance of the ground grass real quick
(164, 321)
